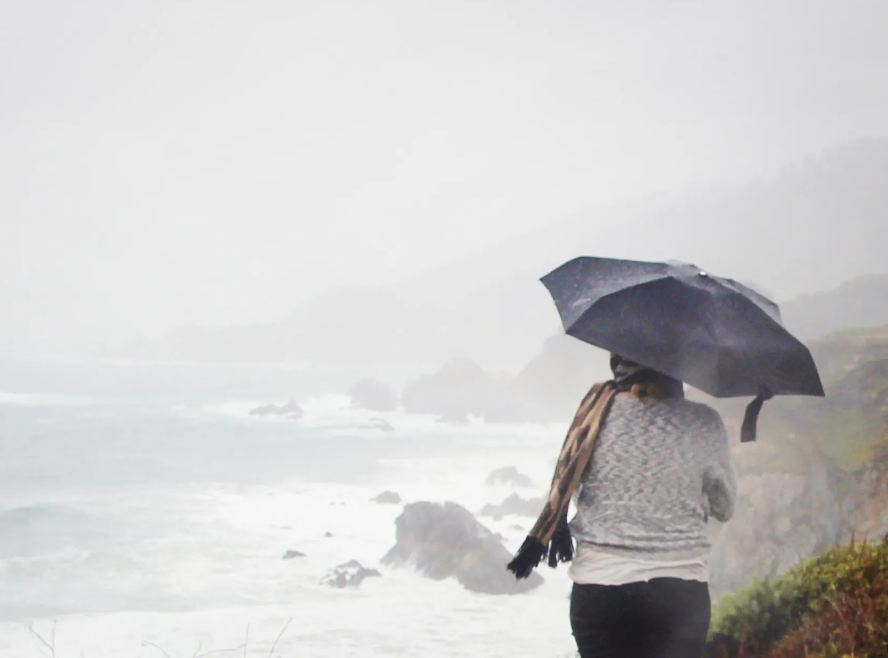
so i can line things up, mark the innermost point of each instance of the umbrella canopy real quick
(712, 333)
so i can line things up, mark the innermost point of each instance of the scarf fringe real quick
(561, 547)
(530, 554)
(533, 551)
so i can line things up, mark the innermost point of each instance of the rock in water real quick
(461, 389)
(516, 505)
(291, 554)
(350, 574)
(553, 383)
(509, 475)
(373, 395)
(377, 424)
(388, 498)
(264, 410)
(291, 410)
(445, 541)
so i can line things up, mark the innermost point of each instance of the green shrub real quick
(832, 606)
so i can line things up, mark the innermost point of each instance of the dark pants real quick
(661, 618)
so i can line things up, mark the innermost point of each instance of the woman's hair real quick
(644, 382)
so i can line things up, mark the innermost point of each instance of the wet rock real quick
(551, 386)
(515, 505)
(264, 410)
(349, 574)
(291, 410)
(461, 389)
(509, 475)
(291, 555)
(445, 541)
(377, 424)
(373, 395)
(388, 498)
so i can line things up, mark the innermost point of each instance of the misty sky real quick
(178, 163)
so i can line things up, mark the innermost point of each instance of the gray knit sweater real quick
(659, 470)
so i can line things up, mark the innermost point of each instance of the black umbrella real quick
(712, 333)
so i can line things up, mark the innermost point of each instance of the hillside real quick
(835, 604)
(819, 223)
(376, 325)
(861, 302)
(822, 221)
(819, 471)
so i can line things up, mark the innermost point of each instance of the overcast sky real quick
(171, 163)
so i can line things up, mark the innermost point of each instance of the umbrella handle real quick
(750, 418)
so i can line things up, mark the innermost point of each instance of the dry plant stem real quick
(49, 645)
(146, 643)
(280, 635)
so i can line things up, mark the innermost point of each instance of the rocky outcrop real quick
(781, 519)
(292, 555)
(445, 541)
(865, 505)
(509, 475)
(373, 395)
(461, 389)
(388, 498)
(515, 505)
(377, 424)
(290, 410)
(552, 385)
(349, 574)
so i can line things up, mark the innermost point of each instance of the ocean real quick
(145, 513)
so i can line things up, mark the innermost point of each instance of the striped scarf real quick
(550, 534)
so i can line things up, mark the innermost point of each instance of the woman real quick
(656, 467)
